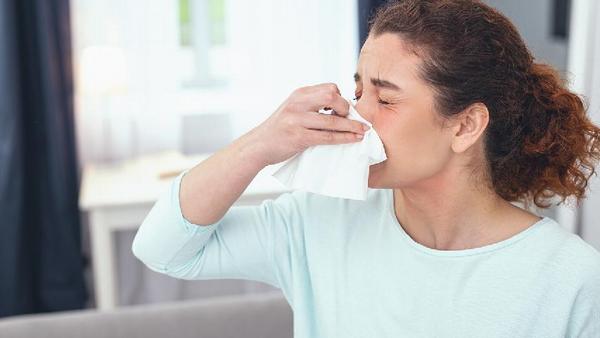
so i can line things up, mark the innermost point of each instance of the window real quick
(203, 45)
(167, 60)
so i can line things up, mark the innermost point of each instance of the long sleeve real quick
(333, 258)
(248, 242)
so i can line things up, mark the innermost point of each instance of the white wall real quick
(533, 19)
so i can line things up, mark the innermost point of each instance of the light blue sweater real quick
(348, 269)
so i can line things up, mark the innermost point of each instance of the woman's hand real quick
(297, 124)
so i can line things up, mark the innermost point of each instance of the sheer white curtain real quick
(584, 69)
(130, 100)
(275, 46)
(125, 54)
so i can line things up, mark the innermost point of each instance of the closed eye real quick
(357, 97)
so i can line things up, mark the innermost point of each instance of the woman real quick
(470, 123)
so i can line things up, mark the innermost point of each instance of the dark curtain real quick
(366, 8)
(40, 252)
(561, 10)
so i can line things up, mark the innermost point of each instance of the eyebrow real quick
(379, 83)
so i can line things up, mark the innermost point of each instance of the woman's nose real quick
(364, 111)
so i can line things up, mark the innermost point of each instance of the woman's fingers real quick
(296, 124)
(316, 137)
(332, 122)
(322, 95)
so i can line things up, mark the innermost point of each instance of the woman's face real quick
(400, 106)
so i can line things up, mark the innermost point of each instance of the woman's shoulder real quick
(312, 200)
(316, 209)
(573, 244)
(570, 252)
(580, 268)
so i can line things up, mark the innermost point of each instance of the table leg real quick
(103, 262)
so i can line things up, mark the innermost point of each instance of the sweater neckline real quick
(462, 252)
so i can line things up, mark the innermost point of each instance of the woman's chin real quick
(375, 175)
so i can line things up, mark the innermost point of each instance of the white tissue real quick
(336, 170)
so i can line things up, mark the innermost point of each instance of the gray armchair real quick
(262, 315)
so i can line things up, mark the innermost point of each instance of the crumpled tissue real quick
(336, 170)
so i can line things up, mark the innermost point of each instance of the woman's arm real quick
(210, 188)
(193, 232)
(295, 126)
(248, 242)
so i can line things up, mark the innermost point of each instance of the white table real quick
(118, 197)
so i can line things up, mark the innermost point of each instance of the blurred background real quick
(103, 101)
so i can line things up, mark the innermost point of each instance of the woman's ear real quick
(468, 126)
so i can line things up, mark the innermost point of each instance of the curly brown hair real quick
(539, 142)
